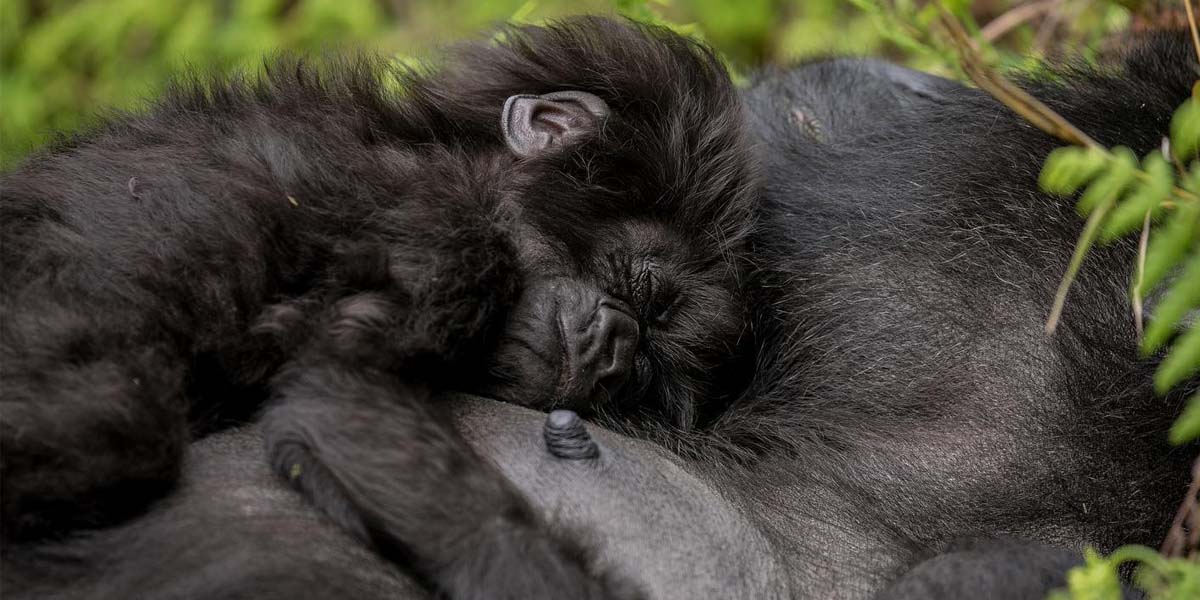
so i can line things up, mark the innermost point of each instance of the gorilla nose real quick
(601, 352)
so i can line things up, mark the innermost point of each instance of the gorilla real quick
(844, 379)
(532, 219)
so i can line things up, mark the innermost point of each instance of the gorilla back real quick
(908, 261)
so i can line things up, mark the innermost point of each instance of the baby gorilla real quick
(554, 219)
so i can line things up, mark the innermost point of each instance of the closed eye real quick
(668, 310)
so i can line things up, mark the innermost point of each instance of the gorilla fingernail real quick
(567, 437)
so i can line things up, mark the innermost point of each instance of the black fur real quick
(857, 355)
(907, 270)
(352, 247)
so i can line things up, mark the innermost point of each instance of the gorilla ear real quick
(534, 124)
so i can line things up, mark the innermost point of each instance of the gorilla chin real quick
(586, 362)
(635, 323)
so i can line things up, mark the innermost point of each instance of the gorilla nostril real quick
(618, 338)
(614, 304)
(599, 339)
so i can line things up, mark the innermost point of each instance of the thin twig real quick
(1090, 229)
(1143, 242)
(1187, 5)
(1029, 108)
(1177, 541)
(1015, 17)
(1042, 39)
(1043, 117)
(1026, 106)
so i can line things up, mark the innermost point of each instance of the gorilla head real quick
(628, 219)
(554, 219)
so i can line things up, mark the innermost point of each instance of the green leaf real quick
(1167, 578)
(1067, 169)
(1095, 579)
(1147, 196)
(1185, 130)
(1182, 361)
(1191, 181)
(1183, 577)
(1182, 297)
(1169, 243)
(1109, 186)
(1187, 427)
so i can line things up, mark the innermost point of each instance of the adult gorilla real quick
(904, 396)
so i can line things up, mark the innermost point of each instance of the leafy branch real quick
(1119, 191)
(1121, 194)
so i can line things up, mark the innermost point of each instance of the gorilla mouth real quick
(567, 344)
(597, 350)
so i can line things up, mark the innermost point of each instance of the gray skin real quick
(680, 530)
(233, 529)
(651, 515)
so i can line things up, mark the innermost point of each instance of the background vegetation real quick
(61, 61)
(64, 62)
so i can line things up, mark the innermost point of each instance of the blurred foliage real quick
(1162, 578)
(62, 61)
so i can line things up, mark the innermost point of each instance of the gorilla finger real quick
(567, 437)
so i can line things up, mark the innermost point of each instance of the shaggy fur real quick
(906, 271)
(889, 387)
(353, 238)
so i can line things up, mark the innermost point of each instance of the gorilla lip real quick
(592, 371)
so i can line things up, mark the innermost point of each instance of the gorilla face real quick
(630, 240)
(645, 323)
